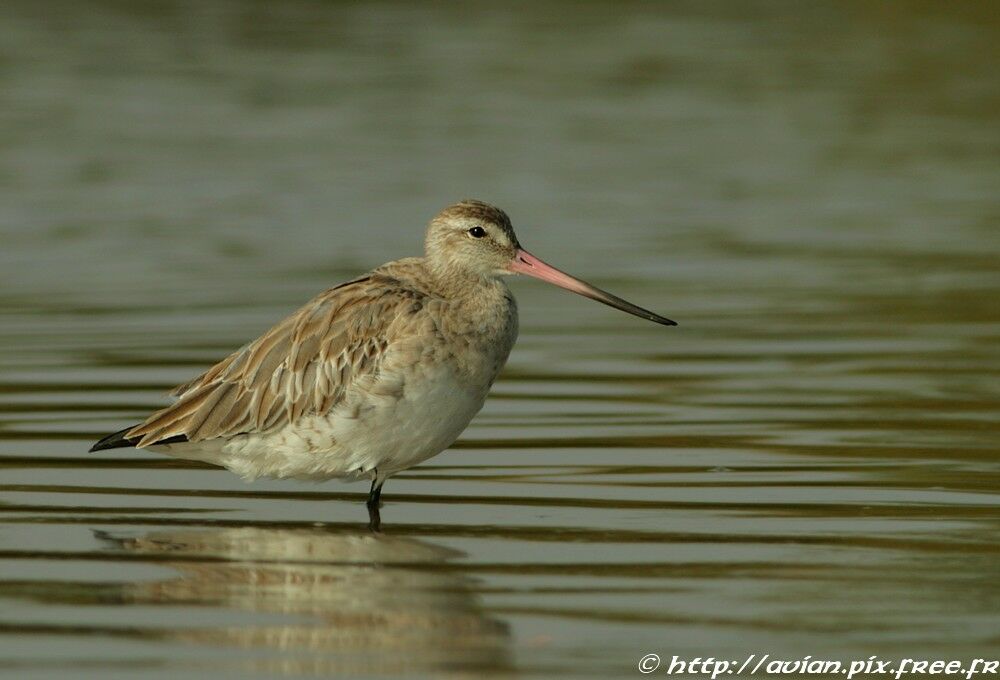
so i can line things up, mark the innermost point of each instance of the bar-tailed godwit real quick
(370, 377)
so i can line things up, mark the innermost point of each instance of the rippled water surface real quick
(808, 464)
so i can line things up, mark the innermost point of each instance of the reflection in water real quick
(362, 603)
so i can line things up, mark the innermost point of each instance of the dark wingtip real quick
(115, 440)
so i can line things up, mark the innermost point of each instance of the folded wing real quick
(305, 364)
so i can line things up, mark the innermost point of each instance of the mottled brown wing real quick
(302, 365)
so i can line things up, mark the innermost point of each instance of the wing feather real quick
(302, 365)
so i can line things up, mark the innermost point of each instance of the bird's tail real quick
(116, 440)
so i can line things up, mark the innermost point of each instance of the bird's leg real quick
(374, 519)
(374, 496)
(375, 493)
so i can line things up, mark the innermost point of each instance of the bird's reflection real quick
(359, 602)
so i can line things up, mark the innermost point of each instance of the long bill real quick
(526, 263)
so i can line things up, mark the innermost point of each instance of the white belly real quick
(371, 431)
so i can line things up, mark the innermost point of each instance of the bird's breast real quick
(479, 342)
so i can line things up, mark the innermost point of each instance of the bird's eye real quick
(477, 232)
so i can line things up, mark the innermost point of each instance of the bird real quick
(370, 377)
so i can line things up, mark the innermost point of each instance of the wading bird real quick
(370, 377)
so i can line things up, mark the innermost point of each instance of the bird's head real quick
(473, 239)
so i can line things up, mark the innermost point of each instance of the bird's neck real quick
(453, 282)
(485, 301)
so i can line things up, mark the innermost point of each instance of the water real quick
(806, 465)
